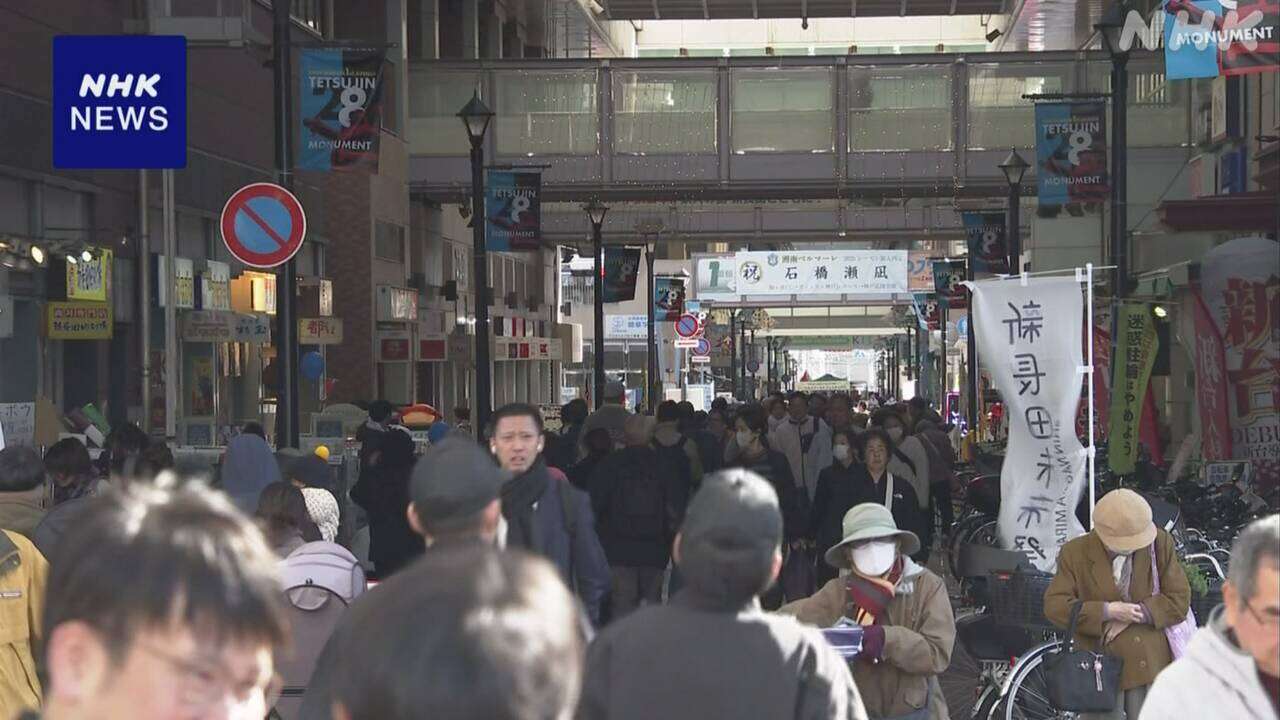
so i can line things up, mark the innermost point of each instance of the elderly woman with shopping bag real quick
(903, 609)
(1132, 591)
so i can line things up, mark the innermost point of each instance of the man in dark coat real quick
(384, 494)
(544, 513)
(713, 653)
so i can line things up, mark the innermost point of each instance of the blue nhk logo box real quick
(119, 101)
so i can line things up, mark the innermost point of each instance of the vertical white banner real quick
(1029, 339)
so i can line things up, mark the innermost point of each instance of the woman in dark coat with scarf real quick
(840, 487)
(876, 484)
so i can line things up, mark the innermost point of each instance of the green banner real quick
(1135, 353)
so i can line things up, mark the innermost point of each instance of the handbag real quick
(1179, 635)
(1080, 680)
(799, 576)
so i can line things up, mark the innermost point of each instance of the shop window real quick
(388, 241)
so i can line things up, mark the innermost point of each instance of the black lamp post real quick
(1110, 26)
(476, 117)
(595, 213)
(1014, 167)
(653, 383)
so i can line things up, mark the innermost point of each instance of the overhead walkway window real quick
(899, 108)
(1157, 107)
(999, 116)
(663, 113)
(434, 100)
(547, 113)
(783, 111)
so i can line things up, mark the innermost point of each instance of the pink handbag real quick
(1179, 635)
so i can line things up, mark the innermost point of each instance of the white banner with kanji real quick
(1029, 340)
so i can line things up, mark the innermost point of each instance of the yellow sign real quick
(320, 331)
(79, 321)
(90, 280)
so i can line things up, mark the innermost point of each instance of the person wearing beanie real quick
(908, 627)
(1108, 570)
(713, 652)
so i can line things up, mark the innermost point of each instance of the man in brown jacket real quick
(1108, 569)
(907, 641)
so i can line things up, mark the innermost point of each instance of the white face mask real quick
(895, 434)
(744, 438)
(841, 452)
(874, 559)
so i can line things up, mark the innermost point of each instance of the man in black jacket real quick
(720, 655)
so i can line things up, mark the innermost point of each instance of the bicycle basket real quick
(1017, 599)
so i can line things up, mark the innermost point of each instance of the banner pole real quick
(1093, 491)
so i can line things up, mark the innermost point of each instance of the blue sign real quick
(340, 98)
(1190, 39)
(962, 326)
(513, 211)
(119, 101)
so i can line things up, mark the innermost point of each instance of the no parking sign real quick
(263, 225)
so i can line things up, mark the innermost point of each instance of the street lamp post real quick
(733, 353)
(595, 213)
(1014, 167)
(476, 117)
(1110, 26)
(652, 381)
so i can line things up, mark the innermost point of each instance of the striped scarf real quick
(868, 597)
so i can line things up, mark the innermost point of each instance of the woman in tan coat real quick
(1109, 570)
(908, 626)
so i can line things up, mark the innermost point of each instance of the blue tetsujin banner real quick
(513, 210)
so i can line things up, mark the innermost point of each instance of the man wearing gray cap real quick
(453, 501)
(712, 652)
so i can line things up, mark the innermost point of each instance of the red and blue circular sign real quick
(703, 347)
(688, 325)
(263, 225)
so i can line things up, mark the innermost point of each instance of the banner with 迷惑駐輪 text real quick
(1029, 338)
(1135, 354)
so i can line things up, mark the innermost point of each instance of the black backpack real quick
(637, 503)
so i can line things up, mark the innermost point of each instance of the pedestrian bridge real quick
(866, 129)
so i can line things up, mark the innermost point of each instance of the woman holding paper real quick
(903, 608)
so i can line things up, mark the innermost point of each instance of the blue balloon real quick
(312, 365)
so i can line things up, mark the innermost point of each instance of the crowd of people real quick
(673, 564)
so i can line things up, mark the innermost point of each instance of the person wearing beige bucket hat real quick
(1124, 609)
(908, 626)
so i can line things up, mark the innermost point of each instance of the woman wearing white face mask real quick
(908, 461)
(878, 483)
(840, 487)
(908, 626)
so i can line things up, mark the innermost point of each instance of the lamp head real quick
(476, 117)
(1014, 167)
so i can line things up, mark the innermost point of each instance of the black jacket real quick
(839, 488)
(383, 492)
(905, 506)
(623, 548)
(773, 467)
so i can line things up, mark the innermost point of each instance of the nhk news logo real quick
(119, 101)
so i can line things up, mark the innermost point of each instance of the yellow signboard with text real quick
(78, 321)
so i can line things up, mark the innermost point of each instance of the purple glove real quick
(872, 642)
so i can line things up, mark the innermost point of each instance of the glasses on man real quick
(1269, 617)
(203, 683)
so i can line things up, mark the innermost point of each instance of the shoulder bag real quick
(1080, 680)
(1179, 635)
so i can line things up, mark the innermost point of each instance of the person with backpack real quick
(669, 439)
(712, 652)
(942, 459)
(638, 503)
(544, 513)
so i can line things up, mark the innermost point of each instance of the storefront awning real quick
(1244, 212)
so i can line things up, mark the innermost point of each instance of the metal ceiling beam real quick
(706, 11)
(755, 9)
(657, 15)
(953, 8)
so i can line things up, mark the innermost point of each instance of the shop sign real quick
(715, 277)
(1222, 473)
(626, 327)
(320, 331)
(79, 321)
(1240, 287)
(211, 326)
(431, 322)
(254, 329)
(397, 304)
(1211, 385)
(433, 349)
(17, 423)
(1030, 340)
(184, 283)
(985, 237)
(215, 286)
(393, 349)
(829, 272)
(920, 271)
(326, 298)
(264, 293)
(90, 280)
